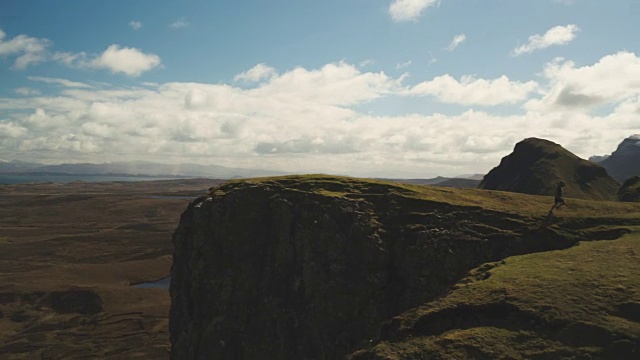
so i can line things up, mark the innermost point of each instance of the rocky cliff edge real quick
(311, 267)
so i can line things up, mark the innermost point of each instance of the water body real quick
(7, 179)
(158, 284)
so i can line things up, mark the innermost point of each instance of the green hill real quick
(536, 166)
(579, 303)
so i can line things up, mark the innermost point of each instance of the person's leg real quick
(561, 203)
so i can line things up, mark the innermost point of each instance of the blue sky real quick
(402, 88)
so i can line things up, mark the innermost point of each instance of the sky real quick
(369, 88)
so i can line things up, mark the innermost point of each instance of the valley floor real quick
(68, 254)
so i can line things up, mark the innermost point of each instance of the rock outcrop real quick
(536, 166)
(630, 190)
(309, 267)
(625, 161)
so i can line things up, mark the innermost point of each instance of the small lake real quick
(157, 284)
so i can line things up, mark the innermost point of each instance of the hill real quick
(625, 161)
(321, 267)
(630, 190)
(536, 166)
(579, 303)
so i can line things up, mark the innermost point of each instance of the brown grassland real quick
(68, 256)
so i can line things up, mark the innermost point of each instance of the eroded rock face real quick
(309, 268)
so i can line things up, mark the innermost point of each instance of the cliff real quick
(311, 267)
(536, 166)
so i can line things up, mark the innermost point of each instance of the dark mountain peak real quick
(537, 165)
(630, 144)
(625, 161)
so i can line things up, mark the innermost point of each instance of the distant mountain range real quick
(146, 168)
(133, 168)
(623, 163)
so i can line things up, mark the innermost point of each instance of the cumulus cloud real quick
(118, 59)
(135, 25)
(457, 40)
(409, 10)
(310, 120)
(338, 84)
(471, 91)
(27, 50)
(126, 60)
(612, 80)
(256, 73)
(557, 35)
(179, 23)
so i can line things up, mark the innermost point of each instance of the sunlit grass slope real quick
(503, 201)
(583, 302)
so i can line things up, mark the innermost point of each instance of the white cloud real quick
(472, 91)
(409, 10)
(129, 61)
(310, 120)
(180, 23)
(457, 40)
(63, 82)
(367, 62)
(566, 2)
(432, 59)
(256, 73)
(610, 81)
(135, 25)
(557, 35)
(403, 65)
(28, 50)
(25, 91)
(339, 84)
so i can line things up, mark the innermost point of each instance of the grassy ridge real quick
(581, 302)
(503, 201)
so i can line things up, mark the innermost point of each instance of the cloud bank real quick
(311, 120)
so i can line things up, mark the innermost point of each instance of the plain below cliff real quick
(320, 267)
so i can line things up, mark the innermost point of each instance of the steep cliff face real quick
(536, 166)
(310, 267)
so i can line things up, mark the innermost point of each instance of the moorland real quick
(69, 255)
